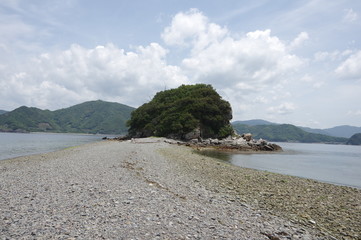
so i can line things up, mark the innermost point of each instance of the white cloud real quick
(284, 108)
(299, 40)
(215, 52)
(318, 84)
(307, 78)
(105, 72)
(314, 82)
(249, 62)
(332, 56)
(350, 15)
(351, 67)
(192, 29)
(260, 99)
(185, 27)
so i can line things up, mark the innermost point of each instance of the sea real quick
(21, 144)
(336, 164)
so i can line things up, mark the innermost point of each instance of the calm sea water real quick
(21, 144)
(337, 164)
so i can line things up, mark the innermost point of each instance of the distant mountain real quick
(89, 117)
(354, 139)
(255, 122)
(3, 111)
(338, 131)
(344, 131)
(316, 130)
(285, 133)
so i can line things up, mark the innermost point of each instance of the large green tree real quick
(176, 112)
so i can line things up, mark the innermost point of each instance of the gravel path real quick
(145, 189)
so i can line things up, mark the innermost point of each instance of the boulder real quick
(195, 134)
(237, 142)
(214, 141)
(241, 142)
(247, 136)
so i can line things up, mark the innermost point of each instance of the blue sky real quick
(284, 61)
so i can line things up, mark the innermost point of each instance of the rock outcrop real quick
(243, 142)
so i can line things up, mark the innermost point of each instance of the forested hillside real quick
(89, 117)
(285, 133)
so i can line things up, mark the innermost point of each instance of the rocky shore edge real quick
(242, 143)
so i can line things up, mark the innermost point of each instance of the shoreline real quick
(165, 191)
(40, 143)
(230, 151)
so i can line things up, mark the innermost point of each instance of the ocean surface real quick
(21, 144)
(337, 164)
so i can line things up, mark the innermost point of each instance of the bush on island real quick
(177, 112)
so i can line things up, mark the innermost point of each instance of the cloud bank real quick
(258, 72)
(105, 72)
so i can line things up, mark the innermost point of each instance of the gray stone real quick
(247, 136)
(196, 133)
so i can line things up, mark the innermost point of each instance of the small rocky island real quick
(192, 115)
(243, 143)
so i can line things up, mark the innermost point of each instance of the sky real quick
(296, 62)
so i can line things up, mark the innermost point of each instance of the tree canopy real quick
(176, 112)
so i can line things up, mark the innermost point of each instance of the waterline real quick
(337, 164)
(22, 144)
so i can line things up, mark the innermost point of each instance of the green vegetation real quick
(176, 112)
(354, 139)
(88, 117)
(2, 112)
(285, 133)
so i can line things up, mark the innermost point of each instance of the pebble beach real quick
(149, 189)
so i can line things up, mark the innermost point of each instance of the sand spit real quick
(149, 189)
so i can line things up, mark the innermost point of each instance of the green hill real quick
(89, 117)
(25, 119)
(354, 139)
(3, 111)
(285, 133)
(177, 112)
(343, 131)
